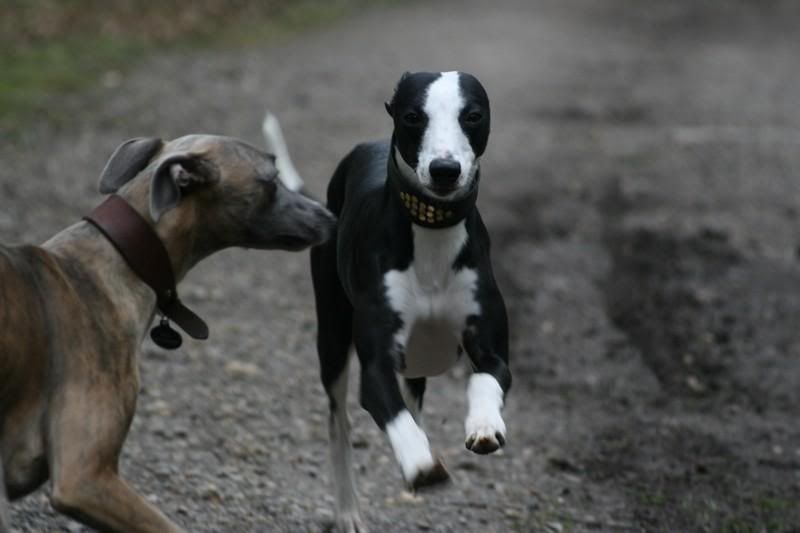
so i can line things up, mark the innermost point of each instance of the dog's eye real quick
(412, 119)
(473, 117)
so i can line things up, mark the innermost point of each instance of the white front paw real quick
(410, 444)
(486, 432)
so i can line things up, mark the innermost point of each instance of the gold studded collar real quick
(425, 210)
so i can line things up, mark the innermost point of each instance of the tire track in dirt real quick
(716, 329)
(658, 293)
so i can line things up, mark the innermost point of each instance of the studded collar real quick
(423, 208)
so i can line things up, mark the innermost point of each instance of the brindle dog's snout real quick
(321, 222)
(303, 220)
(300, 220)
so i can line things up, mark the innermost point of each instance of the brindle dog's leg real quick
(89, 419)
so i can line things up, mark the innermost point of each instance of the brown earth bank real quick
(642, 190)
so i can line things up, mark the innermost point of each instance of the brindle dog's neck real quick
(176, 228)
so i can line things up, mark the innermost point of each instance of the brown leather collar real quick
(144, 252)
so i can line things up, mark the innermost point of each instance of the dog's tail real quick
(276, 144)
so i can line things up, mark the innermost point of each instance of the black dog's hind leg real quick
(334, 337)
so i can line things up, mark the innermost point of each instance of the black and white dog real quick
(408, 280)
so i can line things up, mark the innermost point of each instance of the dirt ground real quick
(642, 187)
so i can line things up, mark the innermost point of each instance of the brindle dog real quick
(73, 314)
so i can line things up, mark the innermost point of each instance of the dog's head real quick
(226, 188)
(441, 127)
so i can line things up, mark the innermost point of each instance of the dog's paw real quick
(436, 474)
(485, 434)
(350, 522)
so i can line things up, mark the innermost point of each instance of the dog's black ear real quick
(176, 175)
(390, 105)
(127, 161)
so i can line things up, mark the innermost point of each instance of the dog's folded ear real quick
(390, 105)
(175, 176)
(127, 161)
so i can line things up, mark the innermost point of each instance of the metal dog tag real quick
(166, 337)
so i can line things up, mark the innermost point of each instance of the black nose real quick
(445, 172)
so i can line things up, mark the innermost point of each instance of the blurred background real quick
(642, 190)
(54, 46)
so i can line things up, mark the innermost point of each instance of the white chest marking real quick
(433, 300)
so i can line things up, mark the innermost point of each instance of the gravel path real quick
(641, 187)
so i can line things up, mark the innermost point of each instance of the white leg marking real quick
(276, 145)
(485, 429)
(348, 515)
(410, 445)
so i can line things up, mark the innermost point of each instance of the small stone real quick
(242, 369)
(112, 79)
(409, 497)
(324, 513)
(695, 384)
(554, 527)
(196, 292)
(211, 493)
(158, 407)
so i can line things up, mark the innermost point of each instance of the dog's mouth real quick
(443, 190)
(446, 192)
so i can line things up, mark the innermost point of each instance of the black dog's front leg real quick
(486, 342)
(381, 397)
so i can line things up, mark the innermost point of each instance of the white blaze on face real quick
(443, 136)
